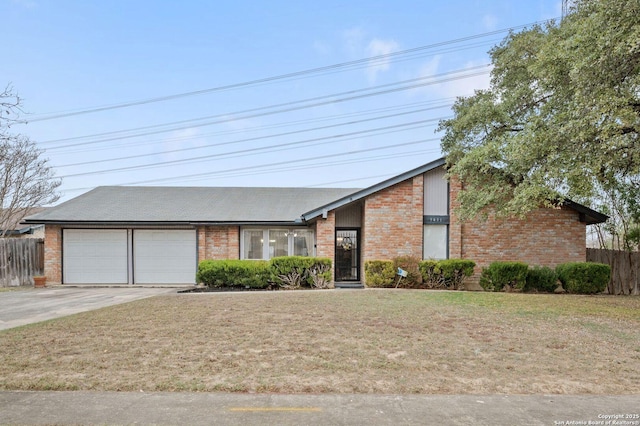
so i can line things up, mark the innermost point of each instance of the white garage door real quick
(164, 256)
(94, 256)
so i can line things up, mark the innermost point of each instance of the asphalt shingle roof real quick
(190, 204)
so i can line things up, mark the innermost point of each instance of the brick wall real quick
(218, 242)
(325, 238)
(53, 254)
(393, 220)
(545, 237)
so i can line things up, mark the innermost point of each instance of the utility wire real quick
(305, 167)
(441, 103)
(288, 107)
(368, 60)
(253, 168)
(250, 150)
(277, 135)
(331, 163)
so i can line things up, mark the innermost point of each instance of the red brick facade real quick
(218, 242)
(546, 237)
(326, 237)
(53, 254)
(393, 220)
(392, 225)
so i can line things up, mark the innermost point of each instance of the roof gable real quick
(363, 193)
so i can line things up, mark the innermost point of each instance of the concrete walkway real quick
(123, 408)
(32, 305)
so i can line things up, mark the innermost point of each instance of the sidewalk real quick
(122, 408)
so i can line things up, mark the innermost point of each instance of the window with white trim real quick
(261, 243)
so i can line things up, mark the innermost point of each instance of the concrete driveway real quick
(34, 305)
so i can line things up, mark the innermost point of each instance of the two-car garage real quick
(129, 256)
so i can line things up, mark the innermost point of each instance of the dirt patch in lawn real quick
(372, 341)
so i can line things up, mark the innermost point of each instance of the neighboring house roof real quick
(189, 205)
(13, 223)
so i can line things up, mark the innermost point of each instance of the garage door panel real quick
(164, 256)
(95, 256)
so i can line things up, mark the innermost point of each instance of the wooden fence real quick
(625, 269)
(20, 260)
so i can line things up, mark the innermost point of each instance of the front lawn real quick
(372, 341)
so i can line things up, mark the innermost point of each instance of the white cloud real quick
(426, 70)
(465, 86)
(354, 40)
(430, 68)
(180, 139)
(490, 22)
(379, 47)
(459, 87)
(28, 4)
(322, 48)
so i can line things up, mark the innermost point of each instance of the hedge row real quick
(449, 273)
(289, 272)
(575, 277)
(293, 272)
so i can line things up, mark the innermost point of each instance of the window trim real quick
(265, 240)
(446, 228)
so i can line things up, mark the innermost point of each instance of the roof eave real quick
(109, 223)
(296, 222)
(587, 215)
(372, 189)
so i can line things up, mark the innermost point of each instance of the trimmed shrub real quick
(447, 273)
(320, 273)
(454, 271)
(542, 279)
(234, 273)
(504, 276)
(285, 272)
(584, 277)
(379, 273)
(431, 274)
(411, 265)
(291, 272)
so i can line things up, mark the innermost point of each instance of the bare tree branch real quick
(26, 179)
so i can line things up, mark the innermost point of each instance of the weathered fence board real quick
(625, 269)
(20, 260)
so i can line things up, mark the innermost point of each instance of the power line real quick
(441, 103)
(277, 135)
(332, 163)
(252, 169)
(250, 150)
(290, 75)
(284, 107)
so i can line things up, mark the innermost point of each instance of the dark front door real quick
(347, 255)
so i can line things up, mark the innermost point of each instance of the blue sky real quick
(356, 118)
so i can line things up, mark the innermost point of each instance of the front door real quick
(347, 255)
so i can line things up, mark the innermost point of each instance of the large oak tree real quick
(561, 117)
